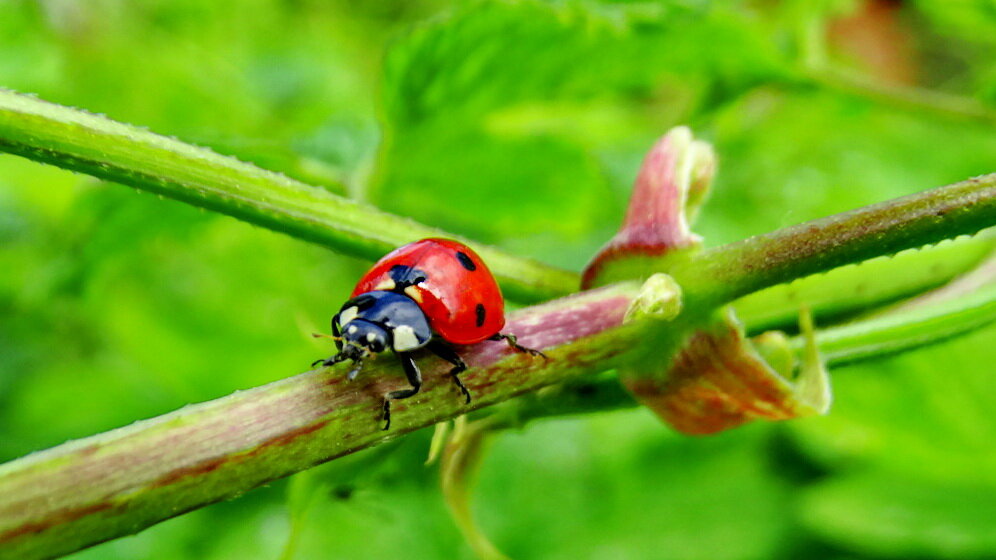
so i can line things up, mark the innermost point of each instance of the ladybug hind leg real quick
(513, 342)
(414, 378)
(450, 355)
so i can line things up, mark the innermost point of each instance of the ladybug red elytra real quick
(428, 294)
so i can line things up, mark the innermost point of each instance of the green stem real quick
(717, 276)
(91, 144)
(810, 31)
(114, 484)
(898, 95)
(864, 286)
(966, 305)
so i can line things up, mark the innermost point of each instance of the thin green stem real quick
(720, 275)
(897, 95)
(92, 144)
(966, 305)
(811, 36)
(859, 288)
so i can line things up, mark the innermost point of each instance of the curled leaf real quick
(721, 379)
(672, 184)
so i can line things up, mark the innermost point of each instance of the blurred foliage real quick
(519, 123)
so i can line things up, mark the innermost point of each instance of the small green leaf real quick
(886, 515)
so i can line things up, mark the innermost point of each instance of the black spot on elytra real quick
(481, 313)
(465, 261)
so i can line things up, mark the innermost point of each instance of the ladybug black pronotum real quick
(431, 294)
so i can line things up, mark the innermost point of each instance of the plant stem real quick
(92, 144)
(965, 305)
(717, 276)
(811, 35)
(864, 286)
(898, 95)
(91, 490)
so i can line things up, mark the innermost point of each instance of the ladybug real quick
(432, 294)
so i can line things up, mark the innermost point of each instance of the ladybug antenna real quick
(329, 336)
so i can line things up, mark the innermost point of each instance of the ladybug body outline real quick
(449, 281)
(432, 294)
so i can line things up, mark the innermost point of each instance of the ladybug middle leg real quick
(414, 377)
(514, 343)
(445, 352)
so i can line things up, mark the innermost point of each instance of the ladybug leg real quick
(357, 366)
(330, 361)
(450, 355)
(414, 377)
(514, 343)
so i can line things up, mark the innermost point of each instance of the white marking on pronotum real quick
(387, 285)
(371, 337)
(351, 329)
(347, 315)
(405, 339)
(414, 293)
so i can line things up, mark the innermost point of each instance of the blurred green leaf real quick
(617, 486)
(519, 158)
(885, 515)
(926, 414)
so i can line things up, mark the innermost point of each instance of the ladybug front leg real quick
(445, 352)
(414, 377)
(514, 343)
(330, 361)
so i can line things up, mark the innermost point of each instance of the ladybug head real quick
(361, 337)
(371, 323)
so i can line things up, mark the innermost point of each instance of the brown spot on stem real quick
(89, 450)
(200, 469)
(58, 517)
(211, 465)
(289, 437)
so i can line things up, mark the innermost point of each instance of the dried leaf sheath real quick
(719, 381)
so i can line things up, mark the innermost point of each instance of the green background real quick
(515, 123)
